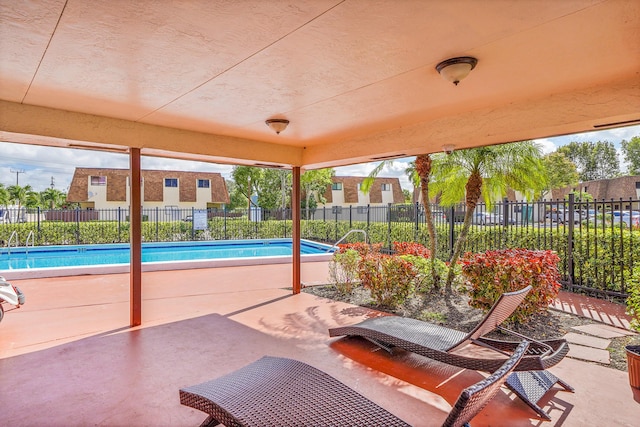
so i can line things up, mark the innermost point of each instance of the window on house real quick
(585, 188)
(336, 186)
(637, 185)
(386, 187)
(203, 183)
(98, 180)
(171, 182)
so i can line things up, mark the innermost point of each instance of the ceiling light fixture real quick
(456, 69)
(277, 125)
(448, 148)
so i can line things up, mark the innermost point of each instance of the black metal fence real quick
(598, 242)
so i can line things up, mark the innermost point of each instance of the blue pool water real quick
(96, 255)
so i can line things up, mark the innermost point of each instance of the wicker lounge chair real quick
(440, 343)
(276, 391)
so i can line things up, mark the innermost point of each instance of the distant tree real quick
(631, 153)
(560, 171)
(580, 196)
(52, 198)
(408, 195)
(594, 160)
(313, 184)
(247, 179)
(5, 197)
(18, 194)
(237, 198)
(274, 188)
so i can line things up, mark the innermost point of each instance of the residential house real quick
(621, 190)
(169, 192)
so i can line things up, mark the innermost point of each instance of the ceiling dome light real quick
(456, 69)
(277, 125)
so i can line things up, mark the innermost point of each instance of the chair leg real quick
(209, 422)
(530, 386)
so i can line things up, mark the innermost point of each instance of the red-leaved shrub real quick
(388, 278)
(411, 248)
(362, 248)
(492, 273)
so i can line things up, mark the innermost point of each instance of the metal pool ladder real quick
(335, 245)
(14, 234)
(31, 236)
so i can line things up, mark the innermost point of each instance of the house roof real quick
(153, 184)
(623, 187)
(197, 79)
(350, 189)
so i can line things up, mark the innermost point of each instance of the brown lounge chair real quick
(275, 391)
(440, 343)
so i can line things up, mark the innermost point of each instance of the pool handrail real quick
(31, 236)
(13, 234)
(335, 245)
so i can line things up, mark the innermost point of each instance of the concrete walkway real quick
(590, 342)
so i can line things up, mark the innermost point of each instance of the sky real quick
(42, 167)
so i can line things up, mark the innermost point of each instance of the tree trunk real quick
(423, 168)
(473, 190)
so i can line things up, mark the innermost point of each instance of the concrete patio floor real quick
(68, 357)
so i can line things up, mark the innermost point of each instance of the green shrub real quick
(389, 278)
(493, 273)
(633, 300)
(423, 281)
(343, 270)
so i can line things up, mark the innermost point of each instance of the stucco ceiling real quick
(356, 78)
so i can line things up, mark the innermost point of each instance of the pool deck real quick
(69, 358)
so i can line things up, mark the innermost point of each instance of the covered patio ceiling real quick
(357, 79)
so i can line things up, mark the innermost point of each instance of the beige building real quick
(345, 191)
(169, 190)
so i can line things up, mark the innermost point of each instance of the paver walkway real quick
(589, 342)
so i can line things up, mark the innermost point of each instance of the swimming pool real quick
(51, 261)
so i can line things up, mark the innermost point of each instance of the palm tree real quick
(423, 166)
(5, 197)
(485, 172)
(52, 198)
(19, 194)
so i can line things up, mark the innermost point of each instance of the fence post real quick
(78, 226)
(157, 224)
(452, 220)
(368, 215)
(350, 217)
(570, 265)
(224, 216)
(505, 212)
(119, 228)
(417, 214)
(38, 222)
(193, 222)
(335, 208)
(389, 224)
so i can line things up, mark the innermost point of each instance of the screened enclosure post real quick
(295, 229)
(135, 221)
